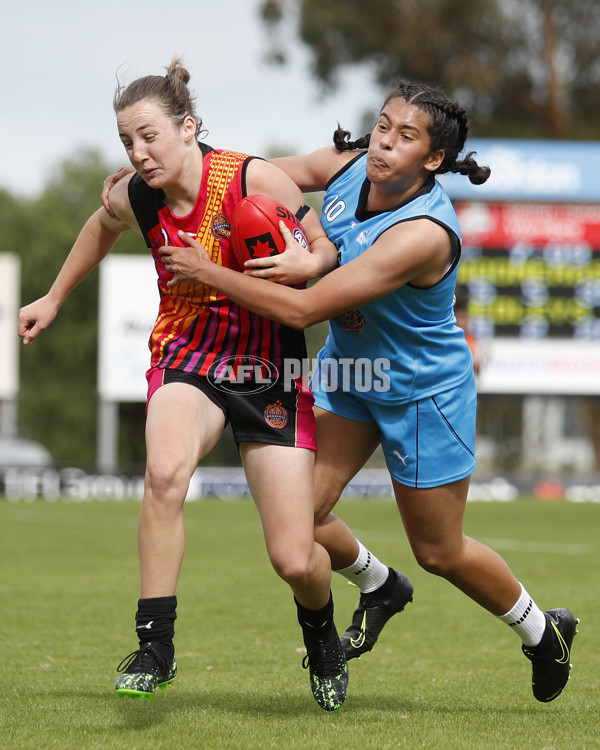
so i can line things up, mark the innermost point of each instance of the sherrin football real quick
(255, 228)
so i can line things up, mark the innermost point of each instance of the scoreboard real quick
(532, 270)
(531, 264)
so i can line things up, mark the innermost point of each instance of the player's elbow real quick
(300, 316)
(296, 320)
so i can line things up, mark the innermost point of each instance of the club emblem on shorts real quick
(351, 322)
(220, 226)
(276, 415)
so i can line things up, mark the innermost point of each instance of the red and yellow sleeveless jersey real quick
(197, 327)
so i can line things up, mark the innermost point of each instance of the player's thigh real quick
(343, 447)
(280, 479)
(433, 517)
(182, 425)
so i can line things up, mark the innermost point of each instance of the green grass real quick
(445, 675)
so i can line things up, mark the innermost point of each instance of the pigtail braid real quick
(341, 140)
(449, 131)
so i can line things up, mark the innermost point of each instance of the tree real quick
(527, 68)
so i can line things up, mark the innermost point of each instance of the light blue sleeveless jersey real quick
(413, 327)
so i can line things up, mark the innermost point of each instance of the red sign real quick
(501, 225)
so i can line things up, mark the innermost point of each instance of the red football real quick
(255, 228)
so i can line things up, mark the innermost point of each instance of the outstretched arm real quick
(311, 172)
(415, 251)
(96, 239)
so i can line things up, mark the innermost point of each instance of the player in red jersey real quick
(210, 361)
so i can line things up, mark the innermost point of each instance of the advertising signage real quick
(531, 264)
(532, 170)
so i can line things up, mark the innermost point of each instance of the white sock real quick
(367, 572)
(526, 619)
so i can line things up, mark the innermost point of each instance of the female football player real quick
(391, 298)
(183, 186)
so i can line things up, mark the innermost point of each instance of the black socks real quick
(315, 621)
(154, 621)
(545, 644)
(389, 584)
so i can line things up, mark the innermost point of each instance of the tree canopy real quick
(525, 68)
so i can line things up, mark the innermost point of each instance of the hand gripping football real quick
(255, 228)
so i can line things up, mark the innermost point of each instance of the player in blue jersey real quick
(395, 370)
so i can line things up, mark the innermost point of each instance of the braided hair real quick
(448, 127)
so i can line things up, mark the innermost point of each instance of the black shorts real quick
(277, 415)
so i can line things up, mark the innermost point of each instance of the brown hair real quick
(170, 91)
(448, 127)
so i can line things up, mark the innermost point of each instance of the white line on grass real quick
(541, 547)
(516, 545)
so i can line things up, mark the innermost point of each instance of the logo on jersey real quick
(220, 226)
(351, 322)
(362, 238)
(276, 415)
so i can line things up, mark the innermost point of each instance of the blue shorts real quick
(426, 443)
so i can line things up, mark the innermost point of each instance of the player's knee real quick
(320, 515)
(293, 569)
(324, 504)
(433, 560)
(164, 477)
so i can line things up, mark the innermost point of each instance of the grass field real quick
(445, 674)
